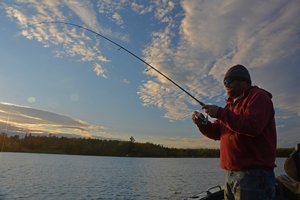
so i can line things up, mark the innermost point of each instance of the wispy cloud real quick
(85, 11)
(117, 18)
(99, 70)
(15, 13)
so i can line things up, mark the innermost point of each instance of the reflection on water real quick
(47, 176)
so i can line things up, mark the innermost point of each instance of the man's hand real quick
(211, 110)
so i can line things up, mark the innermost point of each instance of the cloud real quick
(181, 66)
(46, 10)
(163, 8)
(109, 6)
(73, 42)
(15, 13)
(215, 35)
(141, 9)
(164, 97)
(99, 70)
(117, 18)
(16, 119)
(85, 11)
(113, 7)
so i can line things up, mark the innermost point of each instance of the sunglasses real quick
(228, 81)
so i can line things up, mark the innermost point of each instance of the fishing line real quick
(120, 47)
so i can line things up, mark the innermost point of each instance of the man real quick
(247, 133)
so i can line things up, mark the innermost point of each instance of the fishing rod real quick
(201, 103)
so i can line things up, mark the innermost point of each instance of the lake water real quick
(48, 176)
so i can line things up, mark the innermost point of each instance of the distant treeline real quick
(97, 147)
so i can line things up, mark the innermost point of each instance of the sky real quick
(62, 80)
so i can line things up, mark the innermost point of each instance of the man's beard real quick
(235, 91)
(232, 94)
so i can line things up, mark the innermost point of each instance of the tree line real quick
(98, 147)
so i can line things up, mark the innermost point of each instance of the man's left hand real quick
(211, 110)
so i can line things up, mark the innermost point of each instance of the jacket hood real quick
(269, 94)
(255, 87)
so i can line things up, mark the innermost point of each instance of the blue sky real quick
(63, 80)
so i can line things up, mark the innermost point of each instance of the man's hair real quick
(238, 72)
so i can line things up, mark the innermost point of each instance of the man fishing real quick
(247, 133)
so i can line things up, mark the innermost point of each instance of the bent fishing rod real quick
(81, 27)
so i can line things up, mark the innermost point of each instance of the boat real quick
(287, 185)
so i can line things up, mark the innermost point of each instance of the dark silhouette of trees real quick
(284, 152)
(132, 139)
(89, 146)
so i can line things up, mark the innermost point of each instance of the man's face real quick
(234, 89)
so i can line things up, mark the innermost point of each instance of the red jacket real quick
(247, 132)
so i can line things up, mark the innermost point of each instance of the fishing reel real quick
(200, 118)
